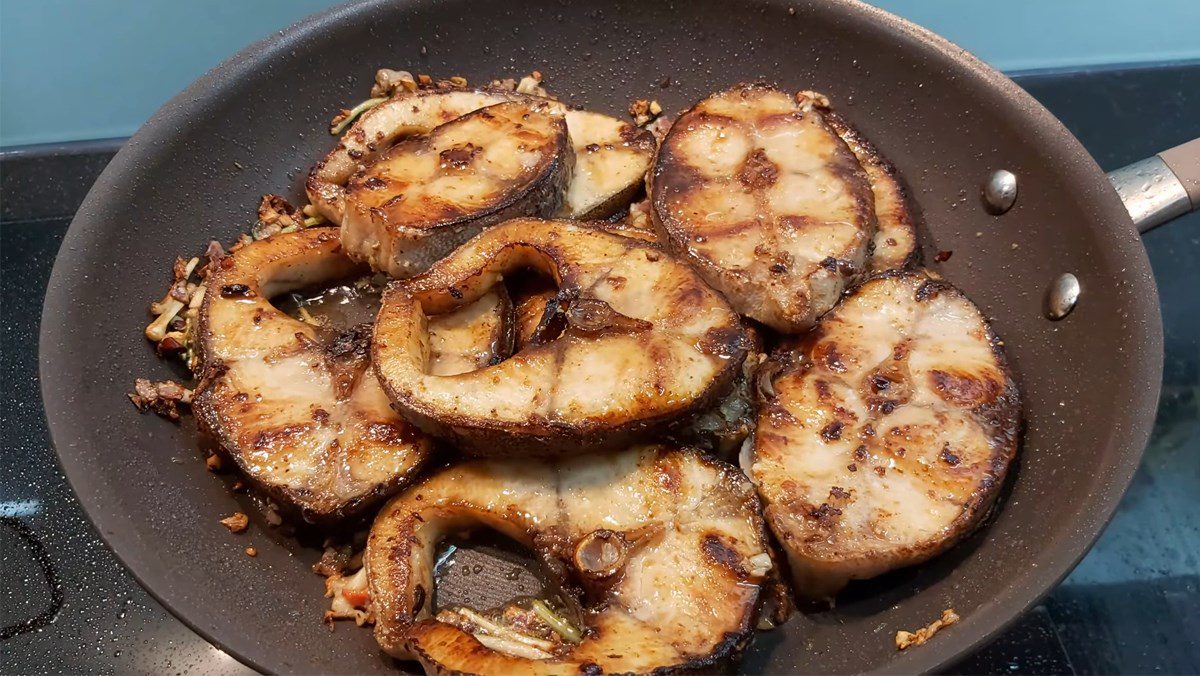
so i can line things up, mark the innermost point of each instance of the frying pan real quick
(254, 125)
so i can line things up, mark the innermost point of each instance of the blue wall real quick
(82, 69)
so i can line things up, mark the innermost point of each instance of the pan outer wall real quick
(945, 120)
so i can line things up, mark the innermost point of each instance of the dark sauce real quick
(336, 307)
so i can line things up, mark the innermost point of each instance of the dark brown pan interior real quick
(256, 124)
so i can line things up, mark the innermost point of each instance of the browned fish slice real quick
(887, 434)
(428, 194)
(668, 544)
(612, 156)
(895, 245)
(404, 115)
(296, 407)
(635, 340)
(724, 428)
(611, 160)
(755, 189)
(474, 336)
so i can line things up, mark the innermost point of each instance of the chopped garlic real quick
(513, 648)
(907, 639)
(759, 564)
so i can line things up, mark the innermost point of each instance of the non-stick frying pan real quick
(255, 124)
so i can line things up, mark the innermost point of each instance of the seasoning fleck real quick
(906, 639)
(236, 523)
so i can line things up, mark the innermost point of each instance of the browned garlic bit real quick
(163, 397)
(531, 84)
(335, 560)
(272, 514)
(351, 598)
(906, 640)
(236, 523)
(176, 299)
(388, 82)
(276, 214)
(643, 111)
(174, 327)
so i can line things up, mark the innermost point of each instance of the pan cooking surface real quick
(255, 125)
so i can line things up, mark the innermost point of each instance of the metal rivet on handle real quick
(1000, 191)
(1062, 296)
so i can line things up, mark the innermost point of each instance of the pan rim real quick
(975, 631)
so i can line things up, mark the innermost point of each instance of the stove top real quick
(1132, 605)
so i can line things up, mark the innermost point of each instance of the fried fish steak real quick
(427, 194)
(611, 156)
(665, 547)
(472, 337)
(632, 340)
(611, 160)
(404, 115)
(758, 192)
(295, 407)
(895, 244)
(886, 434)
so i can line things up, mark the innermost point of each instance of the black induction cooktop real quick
(1132, 606)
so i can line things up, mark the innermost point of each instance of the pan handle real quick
(1160, 188)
